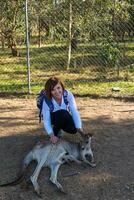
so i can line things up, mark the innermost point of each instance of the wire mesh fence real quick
(89, 44)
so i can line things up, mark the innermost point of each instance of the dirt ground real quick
(112, 124)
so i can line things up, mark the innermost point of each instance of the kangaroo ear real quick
(90, 134)
(81, 133)
(84, 136)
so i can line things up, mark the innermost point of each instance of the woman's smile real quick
(57, 91)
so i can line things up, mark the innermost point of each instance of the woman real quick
(64, 114)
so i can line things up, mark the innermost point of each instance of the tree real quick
(12, 22)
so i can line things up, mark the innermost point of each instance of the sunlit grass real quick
(87, 74)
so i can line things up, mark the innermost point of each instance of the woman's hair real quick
(50, 84)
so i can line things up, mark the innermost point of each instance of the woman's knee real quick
(64, 116)
(70, 129)
(73, 131)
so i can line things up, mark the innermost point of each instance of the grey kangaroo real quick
(53, 156)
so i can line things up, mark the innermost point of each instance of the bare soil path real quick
(112, 124)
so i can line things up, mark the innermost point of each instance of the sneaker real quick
(60, 133)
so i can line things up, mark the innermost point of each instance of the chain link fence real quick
(89, 44)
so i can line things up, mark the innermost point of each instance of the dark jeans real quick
(62, 119)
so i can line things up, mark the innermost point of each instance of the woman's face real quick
(57, 91)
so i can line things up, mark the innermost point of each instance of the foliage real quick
(11, 22)
(110, 52)
(93, 22)
(50, 18)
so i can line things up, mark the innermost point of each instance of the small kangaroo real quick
(53, 156)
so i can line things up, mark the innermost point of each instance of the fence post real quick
(27, 47)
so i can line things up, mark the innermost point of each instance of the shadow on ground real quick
(112, 126)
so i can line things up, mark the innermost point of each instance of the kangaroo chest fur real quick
(49, 154)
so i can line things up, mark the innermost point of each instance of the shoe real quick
(60, 133)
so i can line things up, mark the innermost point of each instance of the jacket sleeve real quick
(74, 111)
(47, 118)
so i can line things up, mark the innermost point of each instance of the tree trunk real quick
(2, 43)
(12, 45)
(39, 32)
(52, 33)
(69, 35)
(113, 19)
(14, 50)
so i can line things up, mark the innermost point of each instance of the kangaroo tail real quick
(22, 173)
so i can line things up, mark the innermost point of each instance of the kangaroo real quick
(53, 156)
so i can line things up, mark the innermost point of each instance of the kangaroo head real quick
(85, 147)
(86, 141)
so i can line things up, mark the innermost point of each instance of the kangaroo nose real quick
(89, 157)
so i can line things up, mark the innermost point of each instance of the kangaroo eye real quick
(82, 148)
(86, 142)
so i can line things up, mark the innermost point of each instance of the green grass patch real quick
(87, 74)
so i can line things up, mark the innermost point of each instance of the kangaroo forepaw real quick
(78, 161)
(38, 193)
(62, 190)
(93, 164)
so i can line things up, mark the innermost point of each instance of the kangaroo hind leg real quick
(68, 158)
(53, 177)
(34, 178)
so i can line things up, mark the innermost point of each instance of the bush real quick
(110, 52)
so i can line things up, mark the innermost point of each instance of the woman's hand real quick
(53, 138)
(79, 130)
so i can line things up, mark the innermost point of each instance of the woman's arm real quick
(47, 118)
(47, 123)
(74, 111)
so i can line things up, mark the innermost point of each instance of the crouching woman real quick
(63, 114)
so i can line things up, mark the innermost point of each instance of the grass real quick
(87, 74)
(105, 89)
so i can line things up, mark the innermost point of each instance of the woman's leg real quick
(62, 119)
(69, 125)
(56, 121)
